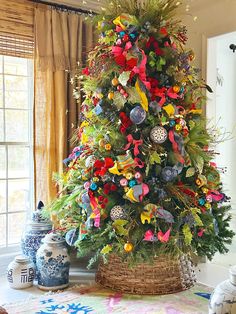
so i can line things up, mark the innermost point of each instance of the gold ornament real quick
(129, 175)
(178, 127)
(102, 143)
(176, 88)
(205, 190)
(115, 81)
(128, 247)
(108, 146)
(110, 96)
(207, 205)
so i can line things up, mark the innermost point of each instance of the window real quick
(16, 149)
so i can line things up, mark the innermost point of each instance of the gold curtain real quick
(61, 40)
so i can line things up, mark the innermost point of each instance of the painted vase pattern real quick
(20, 272)
(53, 263)
(35, 231)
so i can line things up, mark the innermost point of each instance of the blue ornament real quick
(122, 34)
(182, 89)
(93, 186)
(85, 198)
(172, 123)
(71, 237)
(137, 115)
(201, 201)
(169, 174)
(132, 183)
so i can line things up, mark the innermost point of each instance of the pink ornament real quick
(149, 235)
(137, 175)
(209, 198)
(87, 185)
(123, 182)
(119, 42)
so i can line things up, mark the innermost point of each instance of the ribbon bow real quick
(136, 143)
(162, 237)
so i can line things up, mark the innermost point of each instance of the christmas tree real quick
(141, 180)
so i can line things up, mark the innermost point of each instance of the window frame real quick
(13, 249)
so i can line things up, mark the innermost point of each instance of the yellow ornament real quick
(144, 100)
(107, 146)
(110, 96)
(130, 195)
(115, 170)
(207, 205)
(178, 127)
(95, 179)
(205, 190)
(126, 189)
(128, 247)
(115, 81)
(169, 109)
(102, 143)
(128, 175)
(176, 88)
(100, 95)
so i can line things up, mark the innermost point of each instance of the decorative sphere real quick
(90, 160)
(117, 212)
(168, 173)
(158, 135)
(128, 247)
(71, 237)
(137, 115)
(115, 81)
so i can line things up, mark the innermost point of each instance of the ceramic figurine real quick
(53, 263)
(20, 272)
(35, 231)
(223, 299)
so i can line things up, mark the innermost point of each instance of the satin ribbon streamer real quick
(136, 144)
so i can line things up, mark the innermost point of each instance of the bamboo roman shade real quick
(17, 28)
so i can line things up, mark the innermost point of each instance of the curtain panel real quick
(61, 40)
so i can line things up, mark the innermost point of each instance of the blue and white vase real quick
(53, 263)
(35, 231)
(20, 272)
(223, 299)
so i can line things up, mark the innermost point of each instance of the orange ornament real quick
(128, 247)
(115, 81)
(176, 88)
(108, 147)
(110, 96)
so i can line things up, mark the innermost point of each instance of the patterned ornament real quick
(137, 115)
(71, 237)
(117, 212)
(168, 174)
(90, 160)
(158, 135)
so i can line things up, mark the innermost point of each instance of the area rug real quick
(96, 300)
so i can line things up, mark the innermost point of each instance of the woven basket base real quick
(166, 275)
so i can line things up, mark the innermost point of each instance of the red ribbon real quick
(175, 146)
(139, 163)
(136, 144)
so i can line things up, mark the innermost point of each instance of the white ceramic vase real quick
(20, 272)
(223, 299)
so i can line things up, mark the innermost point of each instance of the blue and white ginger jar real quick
(53, 263)
(35, 231)
(223, 299)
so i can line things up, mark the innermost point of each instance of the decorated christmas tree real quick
(141, 180)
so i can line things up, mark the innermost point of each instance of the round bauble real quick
(90, 160)
(137, 115)
(158, 135)
(71, 237)
(169, 174)
(117, 212)
(128, 247)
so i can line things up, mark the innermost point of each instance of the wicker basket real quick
(166, 275)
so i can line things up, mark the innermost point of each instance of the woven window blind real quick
(17, 28)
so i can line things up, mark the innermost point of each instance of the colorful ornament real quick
(128, 247)
(118, 212)
(176, 88)
(129, 175)
(93, 186)
(137, 115)
(71, 237)
(132, 183)
(115, 81)
(107, 146)
(110, 95)
(123, 182)
(158, 135)
(90, 160)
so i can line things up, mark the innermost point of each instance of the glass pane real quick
(16, 224)
(14, 65)
(2, 162)
(1, 58)
(16, 99)
(18, 161)
(2, 230)
(2, 196)
(16, 125)
(1, 94)
(18, 195)
(1, 126)
(16, 83)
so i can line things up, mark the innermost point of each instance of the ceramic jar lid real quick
(232, 275)
(53, 238)
(22, 259)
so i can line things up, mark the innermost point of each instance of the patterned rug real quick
(96, 300)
